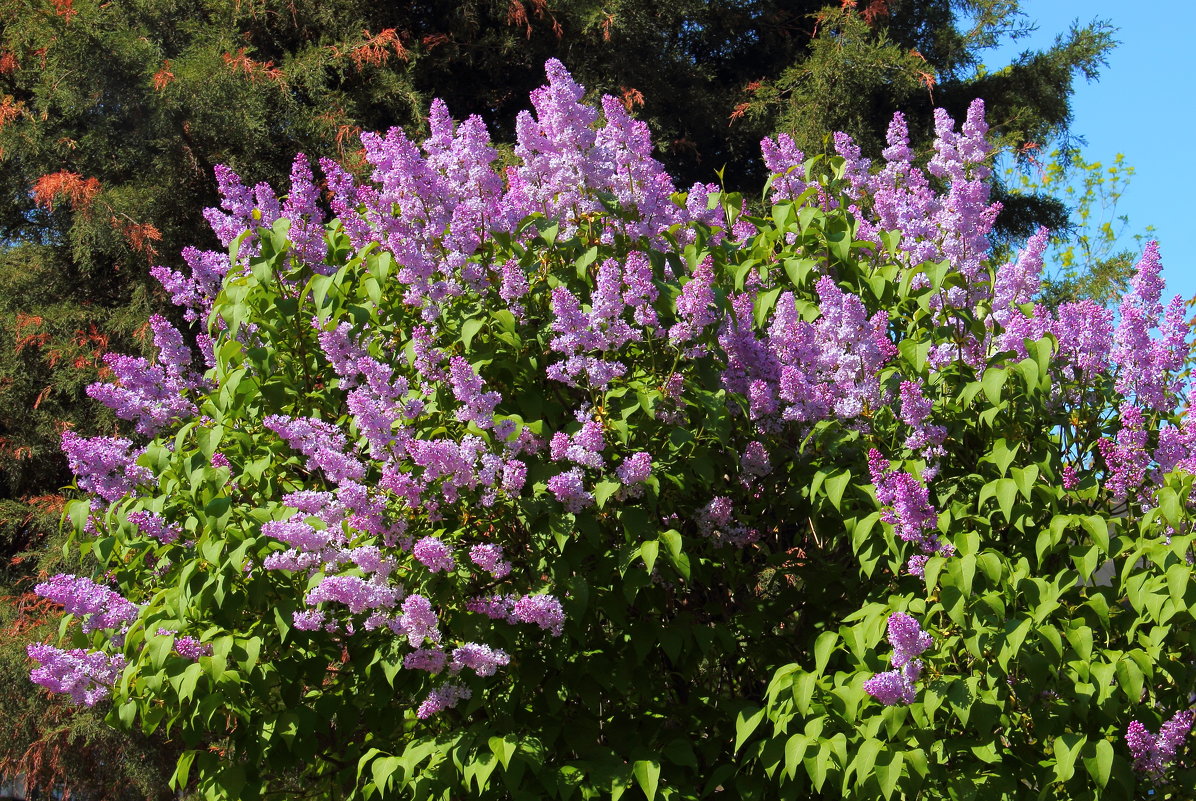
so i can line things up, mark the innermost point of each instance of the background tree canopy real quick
(113, 116)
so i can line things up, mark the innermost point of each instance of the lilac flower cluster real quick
(1152, 753)
(909, 642)
(542, 610)
(152, 395)
(154, 525)
(906, 506)
(106, 466)
(1145, 365)
(191, 648)
(718, 522)
(105, 608)
(86, 676)
(621, 311)
(442, 698)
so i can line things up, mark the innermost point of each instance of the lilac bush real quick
(534, 476)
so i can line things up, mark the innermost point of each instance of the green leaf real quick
(469, 330)
(889, 774)
(823, 647)
(865, 758)
(835, 485)
(745, 723)
(647, 774)
(795, 750)
(1067, 747)
(1100, 764)
(504, 748)
(648, 552)
(1006, 492)
(382, 769)
(992, 382)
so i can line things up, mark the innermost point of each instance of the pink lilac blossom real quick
(419, 621)
(1153, 753)
(354, 592)
(905, 504)
(321, 442)
(430, 660)
(570, 489)
(86, 676)
(105, 608)
(635, 469)
(1126, 456)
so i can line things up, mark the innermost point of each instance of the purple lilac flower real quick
(635, 469)
(442, 698)
(1153, 753)
(489, 557)
(892, 687)
(905, 504)
(430, 660)
(354, 592)
(908, 641)
(481, 659)
(191, 648)
(754, 460)
(907, 638)
(1085, 333)
(105, 608)
(104, 465)
(1145, 365)
(434, 555)
(569, 488)
(1126, 456)
(695, 305)
(86, 676)
(543, 610)
(321, 442)
(154, 525)
(419, 621)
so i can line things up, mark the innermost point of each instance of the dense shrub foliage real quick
(551, 482)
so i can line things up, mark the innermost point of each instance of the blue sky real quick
(1144, 106)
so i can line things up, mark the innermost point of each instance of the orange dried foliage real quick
(41, 396)
(65, 9)
(434, 40)
(875, 10)
(47, 504)
(140, 236)
(738, 112)
(32, 612)
(631, 97)
(607, 22)
(517, 15)
(240, 62)
(376, 50)
(27, 333)
(8, 63)
(77, 190)
(163, 77)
